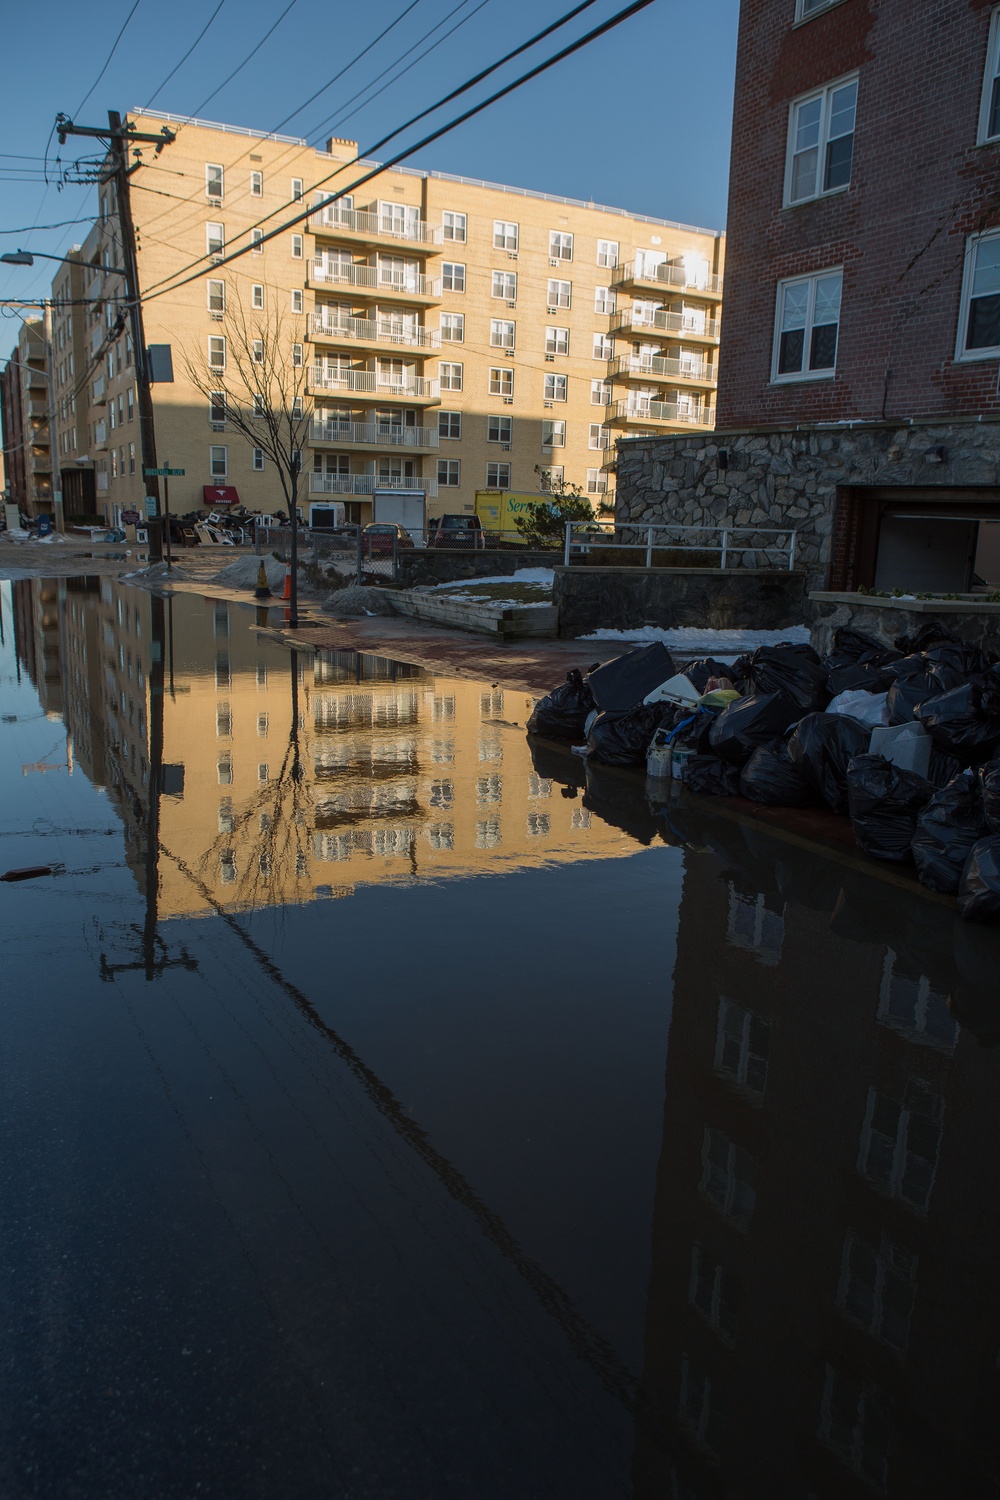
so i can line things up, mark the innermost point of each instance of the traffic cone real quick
(288, 582)
(262, 591)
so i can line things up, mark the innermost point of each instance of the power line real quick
(347, 66)
(187, 54)
(252, 53)
(107, 60)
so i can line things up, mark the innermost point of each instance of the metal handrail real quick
(663, 320)
(376, 433)
(662, 411)
(379, 278)
(584, 535)
(381, 330)
(373, 381)
(671, 369)
(362, 221)
(669, 275)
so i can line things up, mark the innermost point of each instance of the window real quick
(499, 429)
(553, 433)
(504, 235)
(560, 245)
(600, 392)
(909, 1005)
(296, 408)
(453, 227)
(449, 472)
(214, 182)
(217, 296)
(715, 1292)
(502, 333)
(607, 253)
(728, 1177)
(296, 247)
(217, 354)
(131, 458)
(560, 293)
(498, 476)
(502, 382)
(450, 376)
(218, 461)
(701, 1409)
(603, 347)
(551, 478)
(257, 297)
(804, 9)
(855, 1420)
(900, 1143)
(217, 406)
(979, 322)
(259, 406)
(555, 387)
(742, 1043)
(604, 299)
(805, 340)
(114, 463)
(296, 356)
(215, 239)
(597, 436)
(452, 328)
(876, 1289)
(256, 184)
(296, 189)
(752, 926)
(821, 142)
(989, 114)
(257, 347)
(257, 242)
(505, 285)
(557, 340)
(453, 276)
(597, 482)
(258, 460)
(449, 424)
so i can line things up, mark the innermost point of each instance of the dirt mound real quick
(242, 572)
(359, 600)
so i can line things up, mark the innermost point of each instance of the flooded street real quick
(395, 1109)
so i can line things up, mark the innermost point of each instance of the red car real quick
(381, 538)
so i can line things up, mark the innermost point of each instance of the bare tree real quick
(258, 380)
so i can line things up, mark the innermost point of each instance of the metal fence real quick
(650, 546)
(352, 550)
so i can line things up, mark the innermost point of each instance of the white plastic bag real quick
(870, 708)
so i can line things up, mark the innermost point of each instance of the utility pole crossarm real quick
(65, 127)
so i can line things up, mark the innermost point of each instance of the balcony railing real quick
(362, 221)
(374, 383)
(660, 320)
(663, 411)
(366, 484)
(101, 434)
(97, 389)
(382, 330)
(685, 277)
(662, 367)
(378, 435)
(378, 278)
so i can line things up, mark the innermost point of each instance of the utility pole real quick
(120, 138)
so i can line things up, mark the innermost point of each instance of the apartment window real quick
(603, 347)
(449, 472)
(551, 478)
(604, 299)
(217, 406)
(553, 433)
(808, 317)
(215, 239)
(501, 382)
(607, 253)
(217, 353)
(557, 340)
(297, 303)
(505, 285)
(821, 142)
(256, 184)
(453, 227)
(979, 322)
(131, 458)
(112, 419)
(499, 429)
(555, 387)
(560, 245)
(450, 375)
(296, 247)
(453, 276)
(876, 1289)
(504, 235)
(502, 332)
(715, 1292)
(742, 1044)
(258, 351)
(702, 1410)
(257, 242)
(559, 293)
(296, 189)
(805, 9)
(856, 1421)
(452, 328)
(597, 436)
(258, 460)
(909, 1004)
(296, 408)
(257, 297)
(218, 461)
(217, 296)
(449, 424)
(214, 181)
(900, 1143)
(600, 392)
(114, 463)
(259, 407)
(752, 926)
(597, 482)
(296, 356)
(498, 476)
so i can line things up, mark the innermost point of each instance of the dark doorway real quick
(917, 540)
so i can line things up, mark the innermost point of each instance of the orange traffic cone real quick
(288, 582)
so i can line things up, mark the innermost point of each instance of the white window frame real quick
(504, 376)
(216, 338)
(257, 296)
(258, 460)
(598, 436)
(497, 470)
(805, 10)
(454, 226)
(503, 333)
(296, 189)
(220, 292)
(825, 96)
(452, 328)
(554, 299)
(607, 253)
(446, 467)
(503, 285)
(553, 432)
(603, 346)
(600, 392)
(256, 242)
(256, 184)
(211, 181)
(597, 482)
(297, 247)
(450, 419)
(991, 81)
(501, 237)
(297, 357)
(500, 425)
(560, 244)
(455, 377)
(215, 448)
(968, 280)
(789, 376)
(211, 247)
(453, 276)
(555, 387)
(259, 406)
(556, 340)
(257, 351)
(217, 409)
(298, 305)
(605, 300)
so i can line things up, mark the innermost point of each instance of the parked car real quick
(455, 531)
(380, 538)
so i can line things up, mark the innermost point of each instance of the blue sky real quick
(639, 120)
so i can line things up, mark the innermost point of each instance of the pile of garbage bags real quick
(903, 741)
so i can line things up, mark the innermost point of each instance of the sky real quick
(640, 119)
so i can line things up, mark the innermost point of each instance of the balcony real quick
(368, 227)
(39, 460)
(387, 281)
(345, 330)
(97, 390)
(373, 435)
(685, 325)
(660, 368)
(373, 384)
(674, 413)
(100, 434)
(693, 280)
(366, 484)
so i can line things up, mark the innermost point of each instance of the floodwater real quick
(391, 1110)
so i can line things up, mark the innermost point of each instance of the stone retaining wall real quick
(623, 598)
(443, 564)
(886, 619)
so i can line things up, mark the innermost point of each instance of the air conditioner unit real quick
(218, 426)
(217, 317)
(510, 353)
(512, 255)
(508, 401)
(511, 304)
(550, 358)
(216, 260)
(552, 309)
(553, 261)
(505, 447)
(548, 403)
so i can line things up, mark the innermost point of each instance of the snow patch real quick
(524, 575)
(698, 640)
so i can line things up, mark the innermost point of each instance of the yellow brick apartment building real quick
(455, 335)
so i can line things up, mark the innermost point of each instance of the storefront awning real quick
(220, 494)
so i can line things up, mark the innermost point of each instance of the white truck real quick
(407, 508)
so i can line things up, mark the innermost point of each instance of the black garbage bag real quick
(973, 994)
(947, 828)
(965, 722)
(770, 777)
(822, 747)
(711, 776)
(689, 729)
(561, 714)
(990, 782)
(858, 674)
(883, 802)
(748, 722)
(942, 769)
(738, 671)
(791, 669)
(849, 646)
(857, 661)
(929, 681)
(622, 738)
(699, 672)
(625, 681)
(979, 889)
(933, 633)
(964, 656)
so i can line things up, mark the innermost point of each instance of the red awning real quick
(220, 494)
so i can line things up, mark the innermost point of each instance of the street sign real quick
(150, 506)
(163, 473)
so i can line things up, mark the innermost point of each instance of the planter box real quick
(969, 618)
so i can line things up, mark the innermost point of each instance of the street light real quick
(18, 258)
(27, 258)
